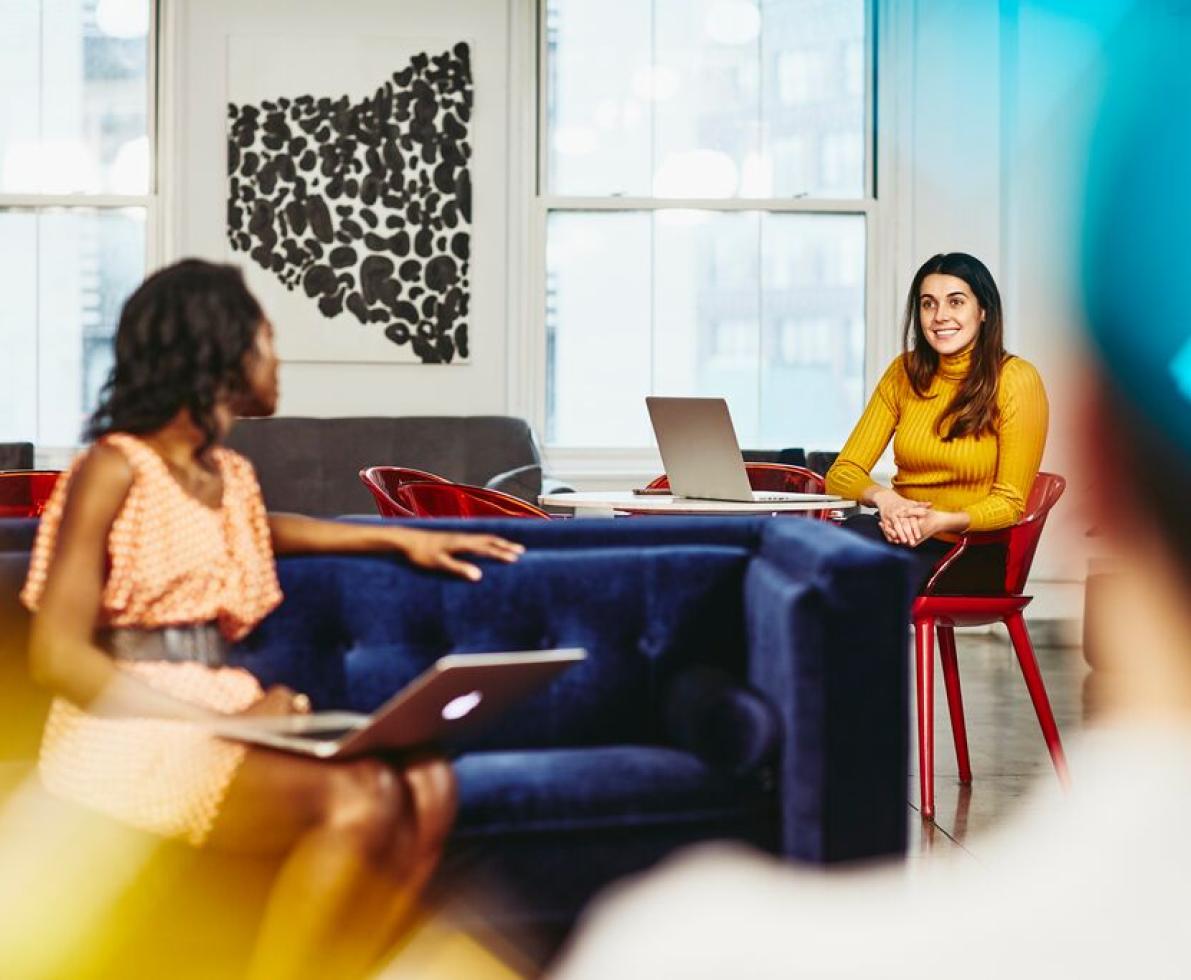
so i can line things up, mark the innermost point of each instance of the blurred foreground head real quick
(1137, 285)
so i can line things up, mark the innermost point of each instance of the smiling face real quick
(949, 314)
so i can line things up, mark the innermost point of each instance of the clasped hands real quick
(908, 522)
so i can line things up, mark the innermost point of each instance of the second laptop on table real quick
(701, 454)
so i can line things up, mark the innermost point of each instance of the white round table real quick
(608, 502)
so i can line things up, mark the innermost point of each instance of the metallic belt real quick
(200, 643)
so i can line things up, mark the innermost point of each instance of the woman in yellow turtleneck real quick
(968, 421)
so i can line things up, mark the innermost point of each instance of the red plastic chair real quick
(461, 500)
(24, 493)
(773, 478)
(934, 609)
(385, 483)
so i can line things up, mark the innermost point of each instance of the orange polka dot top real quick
(172, 560)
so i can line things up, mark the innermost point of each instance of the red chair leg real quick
(1029, 668)
(955, 700)
(924, 663)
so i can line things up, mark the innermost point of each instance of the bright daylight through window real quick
(705, 187)
(76, 198)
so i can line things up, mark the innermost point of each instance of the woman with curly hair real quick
(968, 420)
(154, 554)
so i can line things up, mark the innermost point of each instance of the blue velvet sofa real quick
(746, 679)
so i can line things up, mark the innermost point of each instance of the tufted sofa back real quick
(355, 629)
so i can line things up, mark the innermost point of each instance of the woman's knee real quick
(369, 803)
(434, 794)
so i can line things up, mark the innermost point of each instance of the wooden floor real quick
(1005, 743)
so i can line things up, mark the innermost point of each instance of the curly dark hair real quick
(181, 343)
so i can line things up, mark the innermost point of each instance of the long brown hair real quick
(973, 410)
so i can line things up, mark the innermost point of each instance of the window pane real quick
(598, 328)
(706, 98)
(813, 63)
(597, 91)
(64, 273)
(812, 329)
(74, 96)
(18, 326)
(765, 310)
(707, 130)
(641, 304)
(706, 326)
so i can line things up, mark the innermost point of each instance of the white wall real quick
(194, 162)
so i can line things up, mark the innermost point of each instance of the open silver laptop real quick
(701, 455)
(457, 693)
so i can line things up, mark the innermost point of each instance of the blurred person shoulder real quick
(723, 909)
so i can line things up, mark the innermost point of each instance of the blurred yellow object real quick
(436, 950)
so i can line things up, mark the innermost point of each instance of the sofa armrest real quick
(827, 615)
(522, 482)
(552, 485)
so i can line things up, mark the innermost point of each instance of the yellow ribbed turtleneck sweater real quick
(989, 476)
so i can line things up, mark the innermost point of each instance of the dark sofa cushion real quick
(579, 790)
(540, 832)
(710, 714)
(311, 466)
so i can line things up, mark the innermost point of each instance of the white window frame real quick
(888, 28)
(159, 35)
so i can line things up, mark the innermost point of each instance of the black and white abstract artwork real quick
(351, 198)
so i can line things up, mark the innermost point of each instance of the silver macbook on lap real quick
(701, 455)
(455, 694)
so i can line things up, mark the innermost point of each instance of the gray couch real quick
(16, 455)
(311, 465)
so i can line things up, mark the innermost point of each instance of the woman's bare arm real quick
(294, 533)
(62, 652)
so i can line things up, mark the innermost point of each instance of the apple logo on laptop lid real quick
(456, 708)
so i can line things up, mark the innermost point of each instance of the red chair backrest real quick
(24, 493)
(1015, 545)
(1023, 536)
(460, 500)
(385, 482)
(770, 477)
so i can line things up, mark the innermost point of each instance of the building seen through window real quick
(663, 121)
